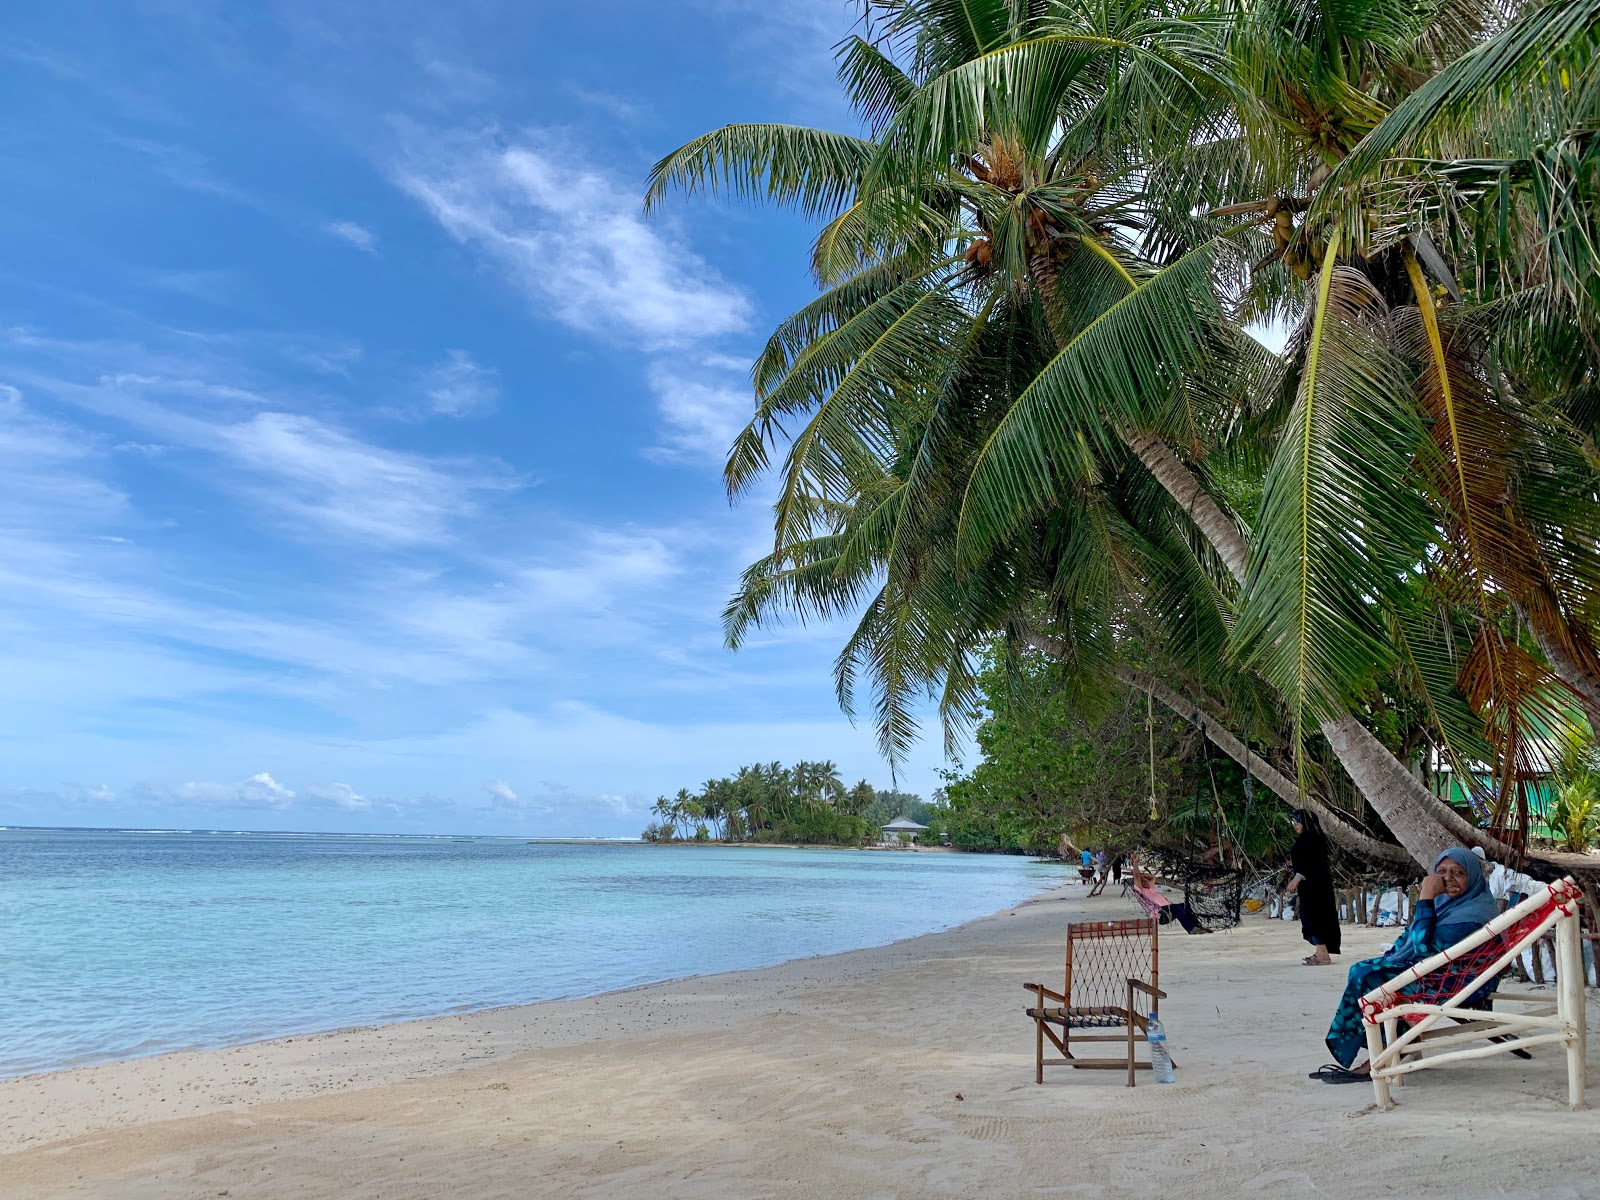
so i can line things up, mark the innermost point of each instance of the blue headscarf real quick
(1475, 906)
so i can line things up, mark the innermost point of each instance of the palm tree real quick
(1012, 317)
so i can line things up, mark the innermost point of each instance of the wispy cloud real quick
(314, 472)
(573, 240)
(703, 403)
(459, 387)
(356, 234)
(187, 169)
(324, 480)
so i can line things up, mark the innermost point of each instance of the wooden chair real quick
(1433, 1013)
(1112, 981)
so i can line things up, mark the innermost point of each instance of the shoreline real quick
(361, 1005)
(900, 1070)
(184, 1059)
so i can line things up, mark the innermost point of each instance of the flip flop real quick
(1334, 1073)
(1312, 960)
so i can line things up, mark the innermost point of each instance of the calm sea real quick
(115, 944)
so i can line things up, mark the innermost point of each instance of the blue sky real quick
(360, 437)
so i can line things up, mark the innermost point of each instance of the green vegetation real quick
(1573, 819)
(1055, 768)
(769, 802)
(1026, 427)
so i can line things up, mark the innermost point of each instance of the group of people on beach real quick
(1457, 898)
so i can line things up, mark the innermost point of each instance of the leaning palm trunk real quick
(1338, 829)
(1423, 823)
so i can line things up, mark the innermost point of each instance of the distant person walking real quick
(1312, 888)
(1086, 870)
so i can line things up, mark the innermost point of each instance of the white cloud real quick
(261, 790)
(356, 234)
(45, 465)
(341, 795)
(500, 792)
(459, 387)
(703, 406)
(312, 471)
(575, 241)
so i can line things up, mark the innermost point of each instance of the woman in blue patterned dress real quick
(1455, 902)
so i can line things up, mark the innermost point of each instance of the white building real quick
(893, 830)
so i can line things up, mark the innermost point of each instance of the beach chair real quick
(1112, 982)
(1436, 1012)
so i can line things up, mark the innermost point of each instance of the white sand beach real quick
(902, 1071)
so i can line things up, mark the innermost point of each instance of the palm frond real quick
(1120, 372)
(814, 170)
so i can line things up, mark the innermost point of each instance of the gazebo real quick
(893, 830)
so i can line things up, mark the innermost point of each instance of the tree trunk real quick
(1425, 824)
(1224, 534)
(1339, 831)
(1572, 673)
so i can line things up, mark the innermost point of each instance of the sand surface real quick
(898, 1072)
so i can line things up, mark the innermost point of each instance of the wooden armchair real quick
(1112, 981)
(1437, 1011)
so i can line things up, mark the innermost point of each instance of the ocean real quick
(121, 943)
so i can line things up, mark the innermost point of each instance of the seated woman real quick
(1455, 902)
(1159, 907)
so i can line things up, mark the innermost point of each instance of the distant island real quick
(807, 804)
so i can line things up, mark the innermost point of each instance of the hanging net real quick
(1214, 894)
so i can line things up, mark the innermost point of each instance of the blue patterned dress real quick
(1423, 938)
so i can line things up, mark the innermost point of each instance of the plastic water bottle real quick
(1160, 1059)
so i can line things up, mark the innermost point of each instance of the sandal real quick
(1311, 960)
(1334, 1073)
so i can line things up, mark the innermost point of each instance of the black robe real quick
(1319, 911)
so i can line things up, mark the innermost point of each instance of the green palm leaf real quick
(1119, 373)
(1337, 525)
(814, 170)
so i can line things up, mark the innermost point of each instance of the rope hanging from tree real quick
(1213, 884)
(1150, 730)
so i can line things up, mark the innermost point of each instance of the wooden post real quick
(1038, 1034)
(1132, 1020)
(1380, 1086)
(1391, 1031)
(1569, 1004)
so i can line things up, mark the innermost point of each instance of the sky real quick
(361, 436)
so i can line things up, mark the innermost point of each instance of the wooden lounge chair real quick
(1112, 981)
(1435, 1012)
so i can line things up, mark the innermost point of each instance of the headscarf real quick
(1475, 906)
(1310, 851)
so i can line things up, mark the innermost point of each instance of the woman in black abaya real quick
(1312, 887)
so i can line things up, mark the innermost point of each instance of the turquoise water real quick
(118, 944)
